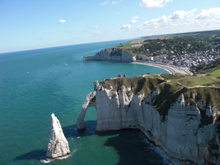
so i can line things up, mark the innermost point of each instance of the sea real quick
(36, 83)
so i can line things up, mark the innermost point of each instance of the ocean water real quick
(36, 83)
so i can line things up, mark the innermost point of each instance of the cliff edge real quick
(183, 121)
(111, 54)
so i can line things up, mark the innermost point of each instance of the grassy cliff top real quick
(139, 85)
(151, 80)
(170, 87)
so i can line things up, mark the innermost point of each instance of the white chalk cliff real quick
(58, 145)
(111, 54)
(185, 126)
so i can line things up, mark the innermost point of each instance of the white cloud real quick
(133, 20)
(136, 17)
(181, 14)
(171, 20)
(183, 21)
(157, 22)
(104, 3)
(62, 21)
(96, 27)
(210, 13)
(154, 3)
(111, 3)
(126, 26)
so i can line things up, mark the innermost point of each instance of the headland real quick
(178, 112)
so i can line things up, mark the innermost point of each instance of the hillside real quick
(177, 44)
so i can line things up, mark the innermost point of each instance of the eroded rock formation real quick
(58, 145)
(111, 54)
(178, 119)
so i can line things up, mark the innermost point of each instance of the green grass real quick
(216, 73)
(137, 84)
(187, 82)
(202, 80)
(127, 44)
(168, 76)
(124, 45)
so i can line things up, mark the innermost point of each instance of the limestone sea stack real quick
(58, 145)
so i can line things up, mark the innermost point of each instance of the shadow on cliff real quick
(69, 131)
(132, 148)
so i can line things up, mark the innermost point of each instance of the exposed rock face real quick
(58, 145)
(111, 54)
(186, 129)
(89, 102)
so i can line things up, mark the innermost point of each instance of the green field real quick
(216, 73)
(202, 80)
(127, 44)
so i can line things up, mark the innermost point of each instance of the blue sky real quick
(32, 24)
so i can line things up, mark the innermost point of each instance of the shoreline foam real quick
(59, 158)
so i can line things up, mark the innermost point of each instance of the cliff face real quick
(111, 54)
(178, 119)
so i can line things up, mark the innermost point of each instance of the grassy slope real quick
(204, 35)
(216, 73)
(202, 80)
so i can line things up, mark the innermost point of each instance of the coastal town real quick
(179, 51)
(185, 61)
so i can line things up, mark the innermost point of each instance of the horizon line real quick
(105, 41)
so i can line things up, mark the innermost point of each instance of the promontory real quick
(174, 111)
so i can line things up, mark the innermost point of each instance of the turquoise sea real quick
(36, 83)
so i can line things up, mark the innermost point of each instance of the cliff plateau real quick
(183, 121)
(111, 54)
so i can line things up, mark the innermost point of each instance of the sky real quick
(33, 24)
